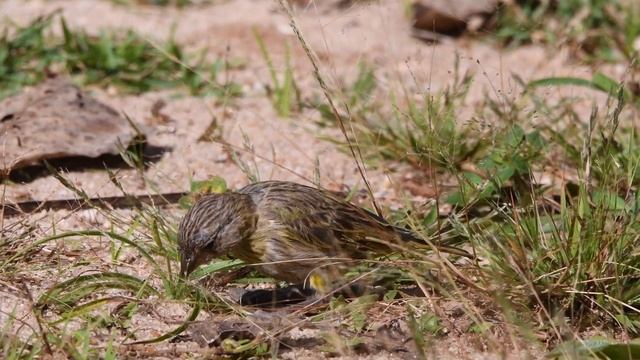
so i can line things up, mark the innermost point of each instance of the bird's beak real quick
(185, 269)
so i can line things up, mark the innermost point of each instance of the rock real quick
(451, 17)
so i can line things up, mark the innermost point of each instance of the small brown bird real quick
(291, 232)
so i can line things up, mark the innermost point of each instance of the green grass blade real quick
(69, 292)
(562, 81)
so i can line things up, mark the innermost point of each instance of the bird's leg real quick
(313, 298)
(274, 298)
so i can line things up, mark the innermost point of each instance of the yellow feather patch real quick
(318, 283)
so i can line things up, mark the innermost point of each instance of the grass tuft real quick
(598, 30)
(284, 92)
(127, 61)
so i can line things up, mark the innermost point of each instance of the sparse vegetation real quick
(83, 299)
(597, 29)
(546, 198)
(554, 248)
(283, 91)
(133, 64)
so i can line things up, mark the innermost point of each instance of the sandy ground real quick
(376, 32)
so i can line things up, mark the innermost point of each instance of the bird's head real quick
(213, 227)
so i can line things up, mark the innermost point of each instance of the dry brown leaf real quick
(56, 120)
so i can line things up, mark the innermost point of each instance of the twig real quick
(118, 202)
(37, 314)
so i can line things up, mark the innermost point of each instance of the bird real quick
(292, 232)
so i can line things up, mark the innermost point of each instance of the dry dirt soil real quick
(377, 32)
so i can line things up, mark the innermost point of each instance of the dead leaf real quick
(56, 120)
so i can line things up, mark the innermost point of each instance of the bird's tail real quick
(408, 235)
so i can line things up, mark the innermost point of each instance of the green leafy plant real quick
(572, 259)
(127, 61)
(283, 91)
(215, 185)
(596, 347)
(358, 97)
(424, 133)
(509, 161)
(600, 29)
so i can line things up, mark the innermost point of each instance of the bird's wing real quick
(323, 220)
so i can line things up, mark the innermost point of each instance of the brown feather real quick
(287, 229)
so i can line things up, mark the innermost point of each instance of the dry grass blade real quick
(354, 149)
(175, 332)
